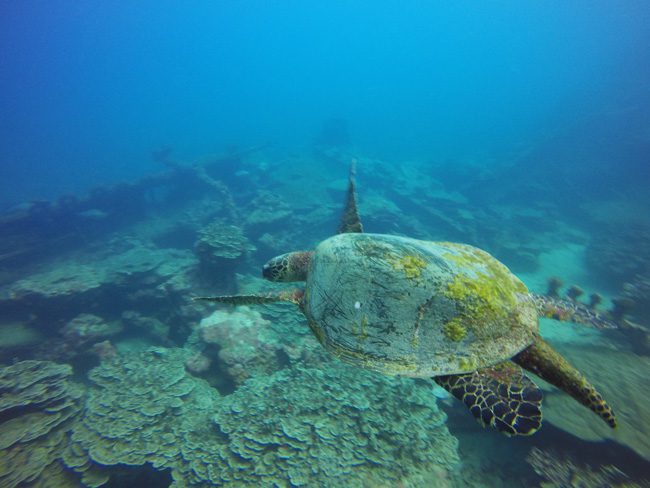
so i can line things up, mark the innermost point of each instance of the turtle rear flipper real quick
(350, 222)
(501, 396)
(540, 358)
(571, 311)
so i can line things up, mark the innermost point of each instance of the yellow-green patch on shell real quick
(416, 308)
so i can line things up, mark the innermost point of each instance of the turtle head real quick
(291, 266)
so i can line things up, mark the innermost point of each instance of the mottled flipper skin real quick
(540, 358)
(570, 311)
(501, 396)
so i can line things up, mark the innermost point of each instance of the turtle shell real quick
(415, 308)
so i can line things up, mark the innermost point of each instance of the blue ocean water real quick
(151, 152)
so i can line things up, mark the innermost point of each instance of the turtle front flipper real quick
(293, 296)
(350, 222)
(540, 358)
(501, 396)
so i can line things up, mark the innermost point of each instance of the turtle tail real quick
(544, 361)
(293, 296)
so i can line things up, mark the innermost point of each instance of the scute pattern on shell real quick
(392, 304)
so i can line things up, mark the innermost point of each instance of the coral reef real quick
(267, 213)
(221, 248)
(296, 427)
(635, 299)
(560, 471)
(139, 409)
(85, 297)
(221, 241)
(85, 273)
(149, 327)
(619, 253)
(86, 328)
(337, 426)
(198, 363)
(243, 340)
(128, 256)
(554, 285)
(621, 258)
(574, 292)
(38, 407)
(287, 324)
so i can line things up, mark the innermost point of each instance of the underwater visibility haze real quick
(462, 191)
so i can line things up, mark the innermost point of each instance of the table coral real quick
(337, 426)
(85, 273)
(220, 240)
(140, 410)
(38, 406)
(87, 329)
(221, 248)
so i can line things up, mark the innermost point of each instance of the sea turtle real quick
(444, 310)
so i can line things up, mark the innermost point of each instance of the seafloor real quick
(113, 377)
